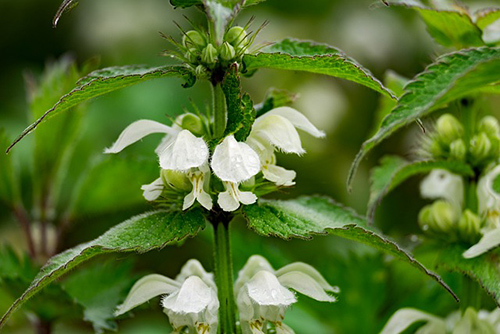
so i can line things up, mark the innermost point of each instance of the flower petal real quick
(234, 161)
(194, 268)
(309, 271)
(228, 202)
(247, 197)
(297, 119)
(278, 131)
(265, 290)
(185, 152)
(135, 132)
(405, 317)
(146, 288)
(442, 184)
(279, 175)
(153, 190)
(254, 264)
(193, 297)
(489, 241)
(306, 285)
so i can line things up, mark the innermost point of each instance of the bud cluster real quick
(478, 148)
(204, 55)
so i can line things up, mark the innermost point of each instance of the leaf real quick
(452, 76)
(104, 81)
(307, 56)
(275, 98)
(486, 17)
(394, 170)
(9, 188)
(448, 27)
(308, 216)
(220, 13)
(99, 289)
(240, 112)
(65, 6)
(484, 269)
(185, 3)
(141, 234)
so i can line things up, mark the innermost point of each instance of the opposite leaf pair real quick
(263, 295)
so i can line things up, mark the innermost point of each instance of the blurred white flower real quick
(190, 301)
(263, 295)
(470, 322)
(441, 184)
(234, 162)
(276, 129)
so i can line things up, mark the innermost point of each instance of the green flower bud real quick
(193, 38)
(237, 37)
(176, 180)
(436, 149)
(490, 126)
(480, 146)
(449, 128)
(192, 123)
(425, 219)
(191, 55)
(443, 216)
(209, 54)
(201, 72)
(469, 226)
(227, 51)
(458, 150)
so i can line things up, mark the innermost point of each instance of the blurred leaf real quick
(99, 289)
(240, 112)
(447, 27)
(307, 56)
(9, 188)
(486, 17)
(484, 269)
(189, 3)
(308, 216)
(394, 170)
(13, 266)
(275, 98)
(107, 80)
(138, 234)
(112, 183)
(452, 76)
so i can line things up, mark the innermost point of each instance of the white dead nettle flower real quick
(263, 295)
(441, 184)
(190, 301)
(234, 162)
(489, 210)
(179, 150)
(277, 129)
(470, 322)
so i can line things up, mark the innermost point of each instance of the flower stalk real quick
(219, 110)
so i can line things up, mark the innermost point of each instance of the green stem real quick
(224, 279)
(219, 110)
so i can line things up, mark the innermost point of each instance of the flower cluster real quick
(471, 322)
(263, 295)
(187, 163)
(450, 141)
(446, 217)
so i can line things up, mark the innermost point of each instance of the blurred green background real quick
(121, 32)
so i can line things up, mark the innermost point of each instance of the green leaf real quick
(65, 6)
(394, 170)
(185, 3)
(484, 269)
(9, 188)
(220, 13)
(307, 56)
(139, 234)
(275, 98)
(447, 27)
(99, 289)
(451, 77)
(496, 184)
(486, 17)
(104, 81)
(308, 216)
(240, 112)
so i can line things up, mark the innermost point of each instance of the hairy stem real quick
(219, 110)
(224, 278)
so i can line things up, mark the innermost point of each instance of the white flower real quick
(190, 300)
(277, 130)
(263, 295)
(470, 322)
(179, 150)
(489, 209)
(441, 184)
(234, 162)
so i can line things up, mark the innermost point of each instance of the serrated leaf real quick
(452, 76)
(104, 81)
(99, 289)
(138, 234)
(306, 217)
(240, 112)
(448, 27)
(65, 6)
(394, 170)
(484, 269)
(307, 56)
